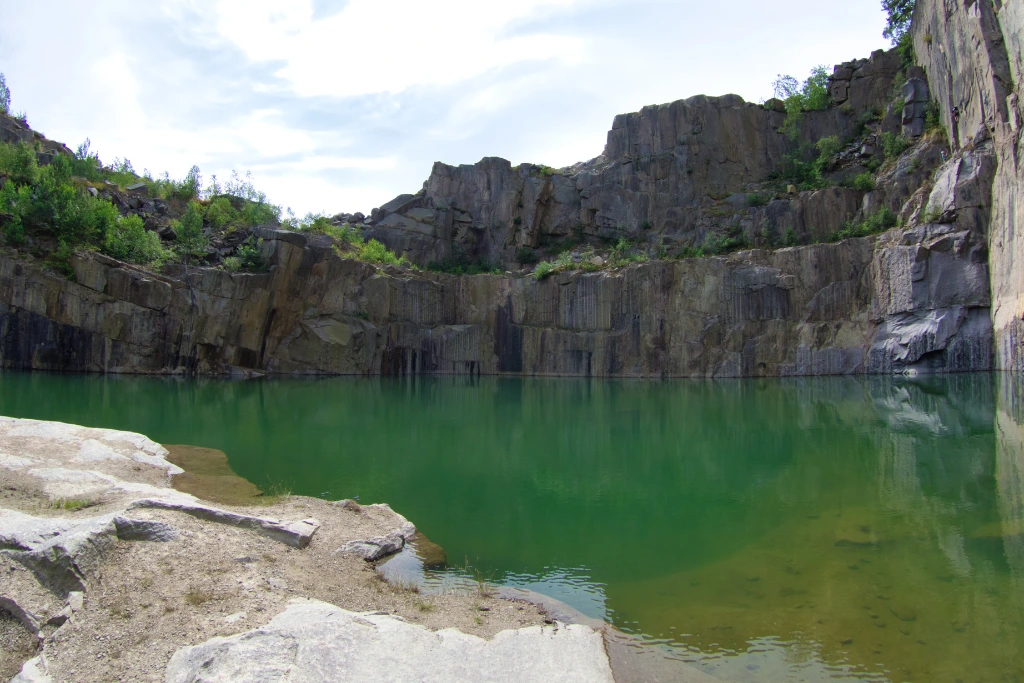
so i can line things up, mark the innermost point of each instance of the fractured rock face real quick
(659, 175)
(915, 106)
(974, 57)
(314, 641)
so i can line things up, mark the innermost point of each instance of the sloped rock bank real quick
(110, 574)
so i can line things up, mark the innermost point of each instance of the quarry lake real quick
(867, 529)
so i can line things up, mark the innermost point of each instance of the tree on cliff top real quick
(5, 96)
(899, 13)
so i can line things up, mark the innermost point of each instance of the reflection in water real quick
(1010, 473)
(806, 530)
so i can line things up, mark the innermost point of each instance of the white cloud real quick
(375, 46)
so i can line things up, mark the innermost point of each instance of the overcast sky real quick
(340, 105)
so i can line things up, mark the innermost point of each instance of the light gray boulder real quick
(33, 671)
(373, 549)
(64, 552)
(314, 641)
(379, 547)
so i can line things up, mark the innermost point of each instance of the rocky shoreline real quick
(109, 573)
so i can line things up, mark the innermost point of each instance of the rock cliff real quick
(914, 299)
(671, 173)
(938, 293)
(973, 53)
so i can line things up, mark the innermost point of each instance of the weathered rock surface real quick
(973, 53)
(68, 462)
(313, 641)
(662, 176)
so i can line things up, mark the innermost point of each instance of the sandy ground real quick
(153, 598)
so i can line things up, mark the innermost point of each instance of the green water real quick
(803, 530)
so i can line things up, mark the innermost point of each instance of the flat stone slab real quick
(68, 462)
(296, 534)
(313, 641)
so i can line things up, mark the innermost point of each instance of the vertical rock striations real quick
(973, 53)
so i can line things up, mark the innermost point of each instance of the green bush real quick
(880, 221)
(801, 168)
(86, 164)
(251, 254)
(66, 211)
(249, 259)
(257, 213)
(789, 238)
(345, 233)
(526, 256)
(828, 148)
(932, 118)
(716, 244)
(15, 204)
(222, 215)
(865, 182)
(375, 252)
(812, 95)
(48, 202)
(128, 240)
(18, 163)
(544, 269)
(191, 240)
(894, 145)
(187, 189)
(755, 200)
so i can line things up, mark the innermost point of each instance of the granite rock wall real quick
(910, 300)
(973, 53)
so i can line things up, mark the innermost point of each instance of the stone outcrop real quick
(973, 53)
(316, 641)
(662, 177)
(916, 98)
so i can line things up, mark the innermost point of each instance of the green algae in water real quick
(807, 530)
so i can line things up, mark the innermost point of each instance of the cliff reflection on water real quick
(812, 529)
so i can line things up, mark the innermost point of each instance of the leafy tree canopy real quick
(899, 14)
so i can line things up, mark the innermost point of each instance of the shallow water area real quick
(836, 529)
